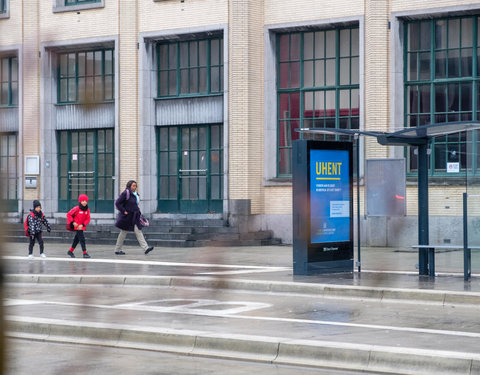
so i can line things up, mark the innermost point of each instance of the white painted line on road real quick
(270, 269)
(416, 273)
(146, 262)
(210, 313)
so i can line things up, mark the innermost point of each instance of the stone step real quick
(161, 232)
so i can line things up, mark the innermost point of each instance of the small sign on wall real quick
(32, 165)
(453, 167)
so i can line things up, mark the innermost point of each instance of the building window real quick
(8, 171)
(441, 85)
(86, 77)
(3, 6)
(80, 2)
(190, 68)
(8, 82)
(317, 85)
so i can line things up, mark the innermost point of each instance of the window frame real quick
(9, 197)
(4, 9)
(76, 77)
(334, 90)
(175, 69)
(60, 6)
(11, 101)
(434, 84)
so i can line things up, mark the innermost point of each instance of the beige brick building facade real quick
(189, 98)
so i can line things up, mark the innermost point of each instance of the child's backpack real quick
(25, 225)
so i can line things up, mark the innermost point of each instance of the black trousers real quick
(39, 238)
(79, 237)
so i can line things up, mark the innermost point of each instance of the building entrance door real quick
(86, 166)
(190, 161)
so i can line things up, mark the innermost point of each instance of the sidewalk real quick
(381, 267)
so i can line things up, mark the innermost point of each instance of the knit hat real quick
(36, 204)
(82, 197)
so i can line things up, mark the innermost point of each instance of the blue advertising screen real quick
(329, 196)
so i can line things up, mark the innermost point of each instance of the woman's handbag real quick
(144, 221)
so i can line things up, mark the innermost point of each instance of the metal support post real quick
(423, 211)
(467, 253)
(357, 138)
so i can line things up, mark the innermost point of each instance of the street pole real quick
(423, 207)
(357, 138)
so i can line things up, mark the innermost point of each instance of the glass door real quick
(190, 161)
(86, 166)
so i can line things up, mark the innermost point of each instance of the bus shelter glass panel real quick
(472, 204)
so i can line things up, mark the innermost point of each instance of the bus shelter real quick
(420, 137)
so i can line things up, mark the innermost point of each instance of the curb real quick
(440, 297)
(274, 350)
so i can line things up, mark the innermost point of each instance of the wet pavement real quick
(245, 303)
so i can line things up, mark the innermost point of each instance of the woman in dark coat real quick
(128, 219)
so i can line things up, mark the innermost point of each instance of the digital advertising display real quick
(329, 196)
(322, 219)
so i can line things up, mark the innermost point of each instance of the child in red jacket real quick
(77, 220)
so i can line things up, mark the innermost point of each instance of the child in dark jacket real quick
(77, 220)
(35, 220)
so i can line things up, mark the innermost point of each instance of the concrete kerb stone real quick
(148, 280)
(254, 348)
(475, 370)
(237, 347)
(421, 362)
(160, 340)
(324, 354)
(326, 290)
(32, 279)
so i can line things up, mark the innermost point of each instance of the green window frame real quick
(79, 2)
(441, 84)
(190, 68)
(9, 81)
(9, 171)
(317, 86)
(86, 77)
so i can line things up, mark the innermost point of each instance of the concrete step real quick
(181, 232)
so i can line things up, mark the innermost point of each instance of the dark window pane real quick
(413, 36)
(163, 137)
(214, 49)
(454, 33)
(441, 64)
(295, 47)
(466, 63)
(295, 75)
(441, 98)
(453, 63)
(330, 43)
(284, 47)
(440, 157)
(344, 71)
(308, 45)
(308, 74)
(425, 99)
(183, 55)
(424, 65)
(441, 34)
(466, 97)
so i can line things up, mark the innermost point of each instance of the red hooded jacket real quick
(78, 216)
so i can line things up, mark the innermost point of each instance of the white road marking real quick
(152, 263)
(215, 313)
(269, 269)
